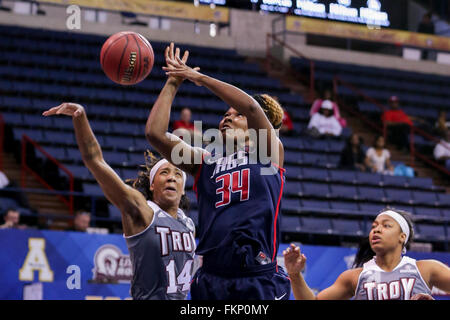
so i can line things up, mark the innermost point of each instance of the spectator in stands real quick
(287, 127)
(378, 158)
(398, 124)
(442, 125)
(353, 155)
(12, 219)
(324, 123)
(327, 95)
(426, 26)
(185, 123)
(81, 221)
(442, 150)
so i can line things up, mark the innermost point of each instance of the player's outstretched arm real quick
(437, 273)
(136, 214)
(295, 262)
(157, 126)
(231, 95)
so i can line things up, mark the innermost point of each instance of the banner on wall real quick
(54, 265)
(168, 9)
(367, 33)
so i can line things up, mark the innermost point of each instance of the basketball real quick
(127, 58)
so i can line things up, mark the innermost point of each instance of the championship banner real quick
(367, 33)
(60, 265)
(154, 8)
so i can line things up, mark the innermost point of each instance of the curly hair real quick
(272, 109)
(365, 252)
(142, 182)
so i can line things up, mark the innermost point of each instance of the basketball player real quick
(159, 236)
(380, 271)
(238, 206)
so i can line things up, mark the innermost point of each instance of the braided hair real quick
(142, 182)
(272, 109)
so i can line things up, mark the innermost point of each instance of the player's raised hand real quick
(422, 296)
(177, 68)
(294, 260)
(67, 108)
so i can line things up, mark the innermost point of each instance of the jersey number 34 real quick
(237, 181)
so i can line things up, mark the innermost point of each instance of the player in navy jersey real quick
(380, 271)
(160, 238)
(238, 192)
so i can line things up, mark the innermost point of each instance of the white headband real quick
(400, 220)
(157, 166)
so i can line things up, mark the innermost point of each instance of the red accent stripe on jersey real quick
(282, 170)
(197, 176)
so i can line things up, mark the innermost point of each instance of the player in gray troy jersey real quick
(160, 237)
(162, 256)
(380, 272)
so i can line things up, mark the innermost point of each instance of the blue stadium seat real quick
(316, 225)
(430, 232)
(290, 224)
(293, 171)
(429, 212)
(114, 212)
(371, 194)
(342, 176)
(292, 187)
(315, 205)
(349, 207)
(444, 199)
(315, 174)
(290, 204)
(315, 189)
(369, 178)
(92, 190)
(423, 197)
(347, 227)
(399, 195)
(395, 181)
(343, 192)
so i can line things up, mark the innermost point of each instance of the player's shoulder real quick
(351, 275)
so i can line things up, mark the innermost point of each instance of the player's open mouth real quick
(375, 239)
(172, 189)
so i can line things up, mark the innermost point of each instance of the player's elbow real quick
(153, 136)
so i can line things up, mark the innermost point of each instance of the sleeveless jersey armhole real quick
(155, 209)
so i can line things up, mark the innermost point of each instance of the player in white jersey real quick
(160, 238)
(380, 271)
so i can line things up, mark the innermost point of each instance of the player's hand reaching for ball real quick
(67, 108)
(294, 260)
(176, 67)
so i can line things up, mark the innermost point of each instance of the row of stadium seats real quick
(35, 79)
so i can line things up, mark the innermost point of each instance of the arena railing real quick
(272, 38)
(2, 138)
(413, 129)
(93, 199)
(26, 169)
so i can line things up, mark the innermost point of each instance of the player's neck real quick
(388, 261)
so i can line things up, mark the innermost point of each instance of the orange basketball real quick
(127, 58)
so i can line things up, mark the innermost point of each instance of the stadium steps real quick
(43, 203)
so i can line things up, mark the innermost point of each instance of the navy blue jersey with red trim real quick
(239, 211)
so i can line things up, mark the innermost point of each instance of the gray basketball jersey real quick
(401, 283)
(162, 257)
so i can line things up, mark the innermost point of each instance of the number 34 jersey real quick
(239, 203)
(162, 257)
